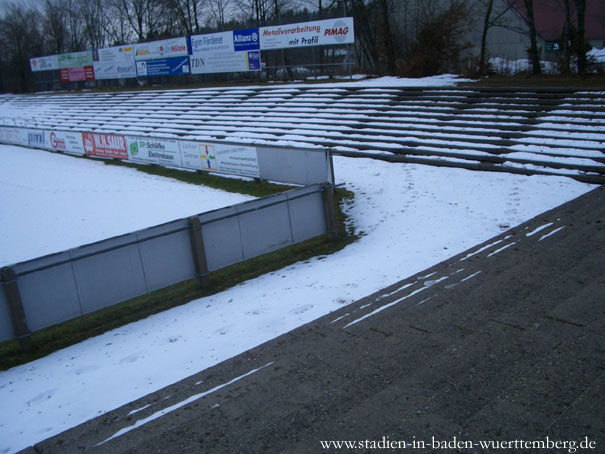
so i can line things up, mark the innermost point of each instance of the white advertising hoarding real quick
(115, 62)
(229, 159)
(15, 136)
(49, 63)
(154, 151)
(215, 53)
(318, 33)
(65, 141)
(176, 47)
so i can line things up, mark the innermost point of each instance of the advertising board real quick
(77, 74)
(75, 59)
(48, 63)
(68, 142)
(114, 63)
(173, 66)
(166, 48)
(215, 53)
(317, 33)
(225, 62)
(104, 145)
(154, 151)
(246, 40)
(228, 159)
(15, 136)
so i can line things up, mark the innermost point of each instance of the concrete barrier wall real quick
(72, 283)
(281, 164)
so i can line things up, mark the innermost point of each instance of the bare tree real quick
(493, 17)
(532, 52)
(93, 15)
(188, 13)
(143, 16)
(581, 46)
(220, 10)
(20, 40)
(117, 27)
(55, 25)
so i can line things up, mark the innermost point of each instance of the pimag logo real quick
(339, 31)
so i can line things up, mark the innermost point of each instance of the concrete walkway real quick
(503, 343)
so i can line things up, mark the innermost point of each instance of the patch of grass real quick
(238, 185)
(74, 331)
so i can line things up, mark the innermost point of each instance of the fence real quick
(45, 291)
(286, 165)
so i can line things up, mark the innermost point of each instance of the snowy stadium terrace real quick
(412, 216)
(527, 131)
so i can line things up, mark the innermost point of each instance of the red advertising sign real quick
(105, 145)
(89, 73)
(77, 74)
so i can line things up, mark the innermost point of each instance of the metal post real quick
(198, 251)
(11, 289)
(330, 211)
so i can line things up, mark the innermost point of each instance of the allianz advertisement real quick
(217, 53)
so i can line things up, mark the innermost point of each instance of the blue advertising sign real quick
(245, 40)
(172, 66)
(254, 61)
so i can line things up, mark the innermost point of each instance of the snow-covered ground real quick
(412, 218)
(52, 202)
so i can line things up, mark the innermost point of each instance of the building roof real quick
(550, 17)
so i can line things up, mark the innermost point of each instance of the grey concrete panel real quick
(49, 296)
(6, 326)
(167, 260)
(307, 216)
(109, 277)
(294, 165)
(222, 239)
(265, 230)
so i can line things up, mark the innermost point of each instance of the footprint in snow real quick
(301, 309)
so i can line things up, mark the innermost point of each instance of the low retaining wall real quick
(48, 290)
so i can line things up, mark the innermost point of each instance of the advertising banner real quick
(223, 62)
(75, 59)
(215, 53)
(68, 142)
(229, 159)
(154, 151)
(246, 40)
(35, 138)
(211, 43)
(15, 136)
(49, 63)
(176, 47)
(77, 74)
(114, 63)
(318, 33)
(163, 67)
(104, 145)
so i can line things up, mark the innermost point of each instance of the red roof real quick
(550, 17)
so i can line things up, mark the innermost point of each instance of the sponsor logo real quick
(105, 145)
(134, 148)
(156, 146)
(339, 31)
(35, 138)
(56, 143)
(178, 48)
